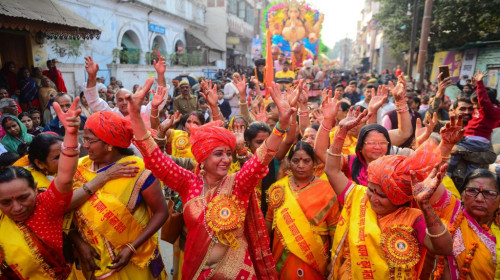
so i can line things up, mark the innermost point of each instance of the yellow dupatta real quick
(110, 219)
(42, 182)
(20, 253)
(373, 243)
(181, 147)
(296, 231)
(349, 147)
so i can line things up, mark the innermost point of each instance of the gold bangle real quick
(131, 247)
(154, 117)
(443, 157)
(439, 234)
(243, 103)
(333, 154)
(145, 137)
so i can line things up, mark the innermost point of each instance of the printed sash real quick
(297, 232)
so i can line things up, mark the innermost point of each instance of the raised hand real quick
(254, 103)
(135, 100)
(160, 65)
(240, 139)
(71, 118)
(423, 191)
(353, 119)
(259, 113)
(330, 106)
(379, 98)
(318, 114)
(423, 133)
(241, 84)
(453, 131)
(442, 85)
(209, 92)
(399, 91)
(168, 123)
(159, 96)
(91, 67)
(286, 103)
(479, 76)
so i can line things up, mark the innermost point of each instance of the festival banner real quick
(256, 48)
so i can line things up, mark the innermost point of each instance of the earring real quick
(202, 171)
(110, 148)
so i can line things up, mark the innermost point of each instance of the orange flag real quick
(269, 74)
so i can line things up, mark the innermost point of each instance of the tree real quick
(454, 23)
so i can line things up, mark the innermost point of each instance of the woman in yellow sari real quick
(473, 224)
(379, 236)
(120, 220)
(303, 221)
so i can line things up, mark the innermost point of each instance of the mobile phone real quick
(445, 69)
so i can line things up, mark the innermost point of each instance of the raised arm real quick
(70, 149)
(241, 85)
(333, 166)
(330, 108)
(209, 92)
(438, 239)
(423, 133)
(96, 104)
(438, 98)
(304, 120)
(160, 68)
(405, 128)
(378, 99)
(491, 112)
(158, 99)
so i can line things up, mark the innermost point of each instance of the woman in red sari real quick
(226, 234)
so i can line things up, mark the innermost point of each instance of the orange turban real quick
(392, 172)
(111, 128)
(206, 138)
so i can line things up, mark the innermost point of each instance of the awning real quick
(47, 16)
(205, 40)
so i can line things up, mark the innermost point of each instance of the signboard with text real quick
(156, 28)
(468, 63)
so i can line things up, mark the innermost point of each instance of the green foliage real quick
(69, 47)
(454, 23)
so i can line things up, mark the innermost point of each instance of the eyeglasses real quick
(90, 141)
(474, 192)
(376, 143)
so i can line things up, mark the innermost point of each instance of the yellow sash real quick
(20, 253)
(298, 233)
(496, 231)
(180, 144)
(106, 218)
(358, 224)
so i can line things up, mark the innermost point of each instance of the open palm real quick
(453, 131)
(423, 191)
(209, 92)
(71, 119)
(353, 119)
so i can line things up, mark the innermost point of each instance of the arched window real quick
(131, 48)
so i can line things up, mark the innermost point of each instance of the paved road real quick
(167, 255)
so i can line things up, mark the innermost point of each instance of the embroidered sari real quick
(484, 262)
(368, 247)
(303, 224)
(181, 147)
(248, 255)
(114, 216)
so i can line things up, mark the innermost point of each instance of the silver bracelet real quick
(76, 149)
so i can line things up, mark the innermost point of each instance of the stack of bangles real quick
(324, 128)
(131, 247)
(401, 106)
(278, 131)
(75, 149)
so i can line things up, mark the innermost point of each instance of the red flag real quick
(269, 74)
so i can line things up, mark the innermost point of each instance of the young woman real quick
(26, 119)
(28, 97)
(16, 133)
(34, 223)
(296, 212)
(226, 235)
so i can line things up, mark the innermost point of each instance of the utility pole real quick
(413, 38)
(424, 42)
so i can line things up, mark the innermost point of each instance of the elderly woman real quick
(226, 235)
(313, 218)
(31, 225)
(119, 220)
(379, 234)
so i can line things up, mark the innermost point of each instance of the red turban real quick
(111, 128)
(392, 172)
(206, 138)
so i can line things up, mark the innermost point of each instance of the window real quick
(250, 16)
(233, 7)
(241, 9)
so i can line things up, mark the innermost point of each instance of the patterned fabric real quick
(392, 172)
(111, 128)
(207, 137)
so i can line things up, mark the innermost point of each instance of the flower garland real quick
(464, 271)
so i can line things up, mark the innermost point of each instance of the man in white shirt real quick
(232, 95)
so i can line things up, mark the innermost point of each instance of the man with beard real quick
(312, 74)
(186, 102)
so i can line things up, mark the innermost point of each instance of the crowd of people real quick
(369, 179)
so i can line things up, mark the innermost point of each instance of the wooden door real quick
(14, 47)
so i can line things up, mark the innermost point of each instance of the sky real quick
(341, 17)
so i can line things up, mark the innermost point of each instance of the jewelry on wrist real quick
(324, 127)
(131, 247)
(146, 137)
(333, 154)
(278, 132)
(243, 103)
(67, 155)
(445, 157)
(155, 117)
(76, 149)
(279, 129)
(89, 191)
(160, 139)
(437, 235)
